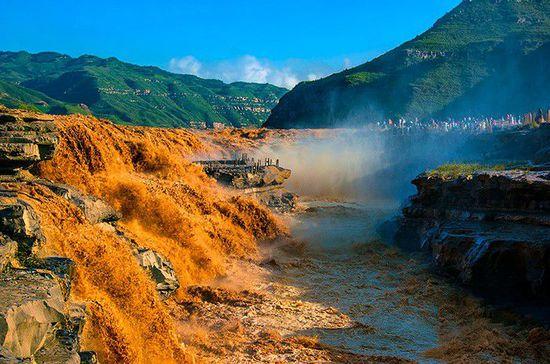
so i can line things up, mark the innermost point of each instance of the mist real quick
(365, 165)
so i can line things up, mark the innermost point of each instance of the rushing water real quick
(401, 307)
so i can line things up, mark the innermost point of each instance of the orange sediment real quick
(167, 204)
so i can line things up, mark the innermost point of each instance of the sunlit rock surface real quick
(25, 138)
(38, 322)
(160, 269)
(32, 309)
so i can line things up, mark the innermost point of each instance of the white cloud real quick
(246, 68)
(253, 71)
(249, 68)
(312, 77)
(347, 63)
(188, 65)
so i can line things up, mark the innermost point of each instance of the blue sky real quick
(278, 41)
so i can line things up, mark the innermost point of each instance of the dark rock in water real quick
(95, 210)
(160, 269)
(25, 138)
(511, 259)
(414, 234)
(19, 222)
(63, 268)
(275, 197)
(490, 229)
(88, 357)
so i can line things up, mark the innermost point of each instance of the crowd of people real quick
(466, 124)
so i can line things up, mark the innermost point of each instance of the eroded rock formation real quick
(160, 269)
(25, 138)
(38, 321)
(263, 180)
(491, 229)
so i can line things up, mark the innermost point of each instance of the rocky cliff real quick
(491, 229)
(38, 320)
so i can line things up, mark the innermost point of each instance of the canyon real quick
(117, 247)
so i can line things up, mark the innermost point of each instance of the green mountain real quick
(129, 94)
(485, 57)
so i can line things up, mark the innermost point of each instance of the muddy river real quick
(399, 306)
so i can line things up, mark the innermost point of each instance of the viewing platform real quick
(244, 172)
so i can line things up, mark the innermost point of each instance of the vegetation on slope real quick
(18, 97)
(130, 94)
(485, 57)
(455, 170)
(168, 205)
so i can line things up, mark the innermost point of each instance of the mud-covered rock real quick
(244, 173)
(223, 296)
(276, 198)
(95, 210)
(264, 176)
(25, 138)
(160, 269)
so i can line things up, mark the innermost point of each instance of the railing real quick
(243, 163)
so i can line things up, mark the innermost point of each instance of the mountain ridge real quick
(128, 93)
(438, 73)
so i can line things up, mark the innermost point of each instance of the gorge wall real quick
(491, 229)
